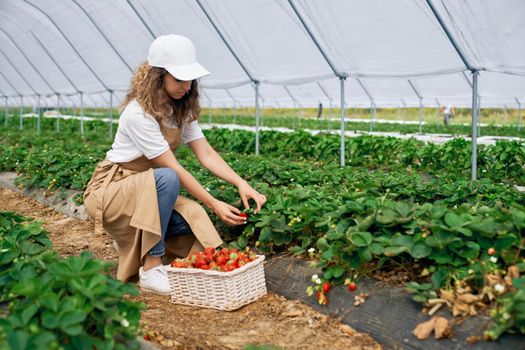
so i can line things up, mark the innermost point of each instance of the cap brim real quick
(188, 72)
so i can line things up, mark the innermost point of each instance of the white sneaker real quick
(154, 280)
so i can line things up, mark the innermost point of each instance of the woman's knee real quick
(166, 177)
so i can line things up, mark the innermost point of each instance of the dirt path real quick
(270, 320)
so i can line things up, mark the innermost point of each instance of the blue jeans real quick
(172, 223)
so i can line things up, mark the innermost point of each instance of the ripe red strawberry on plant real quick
(321, 298)
(326, 287)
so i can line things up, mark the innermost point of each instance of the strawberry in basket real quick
(224, 259)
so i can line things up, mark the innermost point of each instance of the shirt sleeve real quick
(191, 132)
(144, 132)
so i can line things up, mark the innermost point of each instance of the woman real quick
(134, 192)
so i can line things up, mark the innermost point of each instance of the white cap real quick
(176, 54)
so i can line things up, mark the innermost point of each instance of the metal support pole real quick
(58, 113)
(474, 122)
(38, 114)
(420, 115)
(262, 112)
(82, 113)
(479, 116)
(257, 118)
(342, 83)
(21, 111)
(111, 114)
(375, 113)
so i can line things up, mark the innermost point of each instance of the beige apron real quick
(122, 198)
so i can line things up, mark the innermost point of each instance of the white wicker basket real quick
(216, 289)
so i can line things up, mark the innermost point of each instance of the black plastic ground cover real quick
(389, 314)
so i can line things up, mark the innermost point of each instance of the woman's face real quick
(175, 88)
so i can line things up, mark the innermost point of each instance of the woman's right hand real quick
(227, 213)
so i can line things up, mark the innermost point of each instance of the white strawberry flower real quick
(493, 259)
(499, 288)
(311, 250)
(124, 323)
(315, 277)
(318, 281)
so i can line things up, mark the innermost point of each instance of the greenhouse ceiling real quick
(402, 53)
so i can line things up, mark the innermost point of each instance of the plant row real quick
(311, 123)
(360, 126)
(68, 164)
(48, 302)
(502, 162)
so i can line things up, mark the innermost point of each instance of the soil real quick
(271, 320)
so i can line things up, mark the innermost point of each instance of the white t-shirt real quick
(139, 134)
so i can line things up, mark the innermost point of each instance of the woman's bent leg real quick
(152, 275)
(168, 185)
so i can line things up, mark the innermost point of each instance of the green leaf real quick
(506, 242)
(296, 250)
(439, 278)
(386, 216)
(50, 320)
(71, 318)
(403, 241)
(393, 251)
(25, 288)
(28, 313)
(278, 224)
(322, 244)
(361, 239)
(376, 249)
(50, 300)
(437, 212)
(420, 250)
(365, 254)
(336, 271)
(327, 255)
(519, 283)
(242, 241)
(453, 220)
(470, 250)
(18, 340)
(403, 208)
(266, 235)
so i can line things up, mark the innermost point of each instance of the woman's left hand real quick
(246, 192)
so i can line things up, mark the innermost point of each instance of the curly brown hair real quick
(147, 86)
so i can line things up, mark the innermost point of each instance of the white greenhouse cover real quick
(393, 53)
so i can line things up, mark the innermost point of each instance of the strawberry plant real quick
(52, 302)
